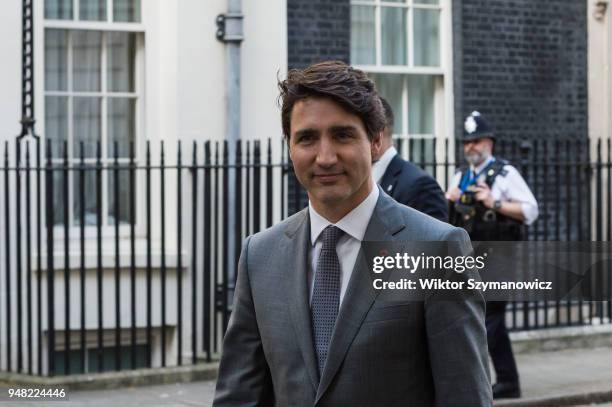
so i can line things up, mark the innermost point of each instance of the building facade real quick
(116, 73)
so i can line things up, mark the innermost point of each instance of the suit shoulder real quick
(271, 235)
(416, 173)
(411, 167)
(420, 226)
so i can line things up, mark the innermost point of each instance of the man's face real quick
(477, 151)
(331, 154)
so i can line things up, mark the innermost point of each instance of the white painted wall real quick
(183, 98)
(264, 56)
(201, 69)
(200, 83)
(10, 70)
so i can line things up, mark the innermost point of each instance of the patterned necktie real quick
(326, 294)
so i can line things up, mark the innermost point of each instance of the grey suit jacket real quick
(413, 354)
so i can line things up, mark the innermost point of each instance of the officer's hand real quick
(453, 194)
(483, 194)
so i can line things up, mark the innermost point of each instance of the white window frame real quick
(105, 27)
(109, 16)
(443, 95)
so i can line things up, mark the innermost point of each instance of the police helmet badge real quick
(470, 125)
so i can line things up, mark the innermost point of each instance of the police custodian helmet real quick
(475, 128)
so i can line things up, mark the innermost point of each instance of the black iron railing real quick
(122, 260)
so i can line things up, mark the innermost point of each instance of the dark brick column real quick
(318, 30)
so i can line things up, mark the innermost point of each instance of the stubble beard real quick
(476, 158)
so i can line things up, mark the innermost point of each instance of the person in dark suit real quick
(404, 181)
(307, 328)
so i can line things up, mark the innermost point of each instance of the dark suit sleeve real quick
(244, 377)
(457, 341)
(429, 198)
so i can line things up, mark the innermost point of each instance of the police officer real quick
(491, 200)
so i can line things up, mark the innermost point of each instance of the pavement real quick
(560, 378)
(557, 378)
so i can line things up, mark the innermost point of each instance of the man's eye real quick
(306, 138)
(344, 135)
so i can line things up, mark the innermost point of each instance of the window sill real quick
(108, 261)
(108, 255)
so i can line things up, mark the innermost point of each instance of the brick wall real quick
(523, 64)
(318, 30)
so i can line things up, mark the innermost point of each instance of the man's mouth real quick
(328, 177)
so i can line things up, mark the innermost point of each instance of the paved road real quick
(564, 372)
(542, 374)
(169, 395)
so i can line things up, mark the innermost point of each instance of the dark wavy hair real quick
(389, 117)
(348, 87)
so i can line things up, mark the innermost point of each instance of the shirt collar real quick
(380, 166)
(353, 223)
(483, 165)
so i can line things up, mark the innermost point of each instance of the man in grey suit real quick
(307, 326)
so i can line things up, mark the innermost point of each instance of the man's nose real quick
(327, 155)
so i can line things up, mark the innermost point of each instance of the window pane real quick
(363, 37)
(121, 61)
(108, 358)
(434, 2)
(393, 40)
(58, 9)
(56, 123)
(92, 10)
(88, 199)
(87, 60)
(121, 125)
(123, 213)
(426, 37)
(390, 87)
(87, 127)
(75, 361)
(126, 10)
(421, 104)
(56, 60)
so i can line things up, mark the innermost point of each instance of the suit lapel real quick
(360, 294)
(298, 233)
(391, 175)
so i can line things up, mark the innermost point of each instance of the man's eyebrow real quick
(305, 132)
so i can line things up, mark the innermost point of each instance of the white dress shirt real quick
(510, 188)
(380, 167)
(354, 226)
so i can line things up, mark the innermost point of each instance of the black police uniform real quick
(484, 224)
